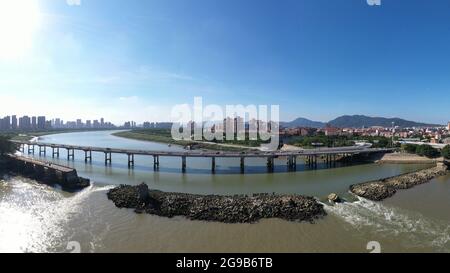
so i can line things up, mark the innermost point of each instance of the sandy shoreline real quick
(405, 158)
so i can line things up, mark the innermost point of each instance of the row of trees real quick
(6, 146)
(427, 150)
(338, 141)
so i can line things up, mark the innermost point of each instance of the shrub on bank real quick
(446, 152)
(428, 151)
(6, 146)
(410, 148)
(422, 150)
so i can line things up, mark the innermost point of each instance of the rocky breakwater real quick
(385, 188)
(226, 209)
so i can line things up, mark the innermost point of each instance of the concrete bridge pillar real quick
(30, 149)
(108, 158)
(70, 154)
(213, 164)
(87, 156)
(242, 164)
(270, 164)
(292, 162)
(156, 161)
(183, 163)
(42, 151)
(55, 151)
(130, 160)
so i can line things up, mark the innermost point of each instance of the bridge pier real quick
(183, 163)
(30, 149)
(292, 162)
(70, 154)
(55, 153)
(22, 148)
(108, 158)
(130, 160)
(242, 164)
(87, 156)
(156, 161)
(270, 164)
(312, 161)
(213, 164)
(42, 151)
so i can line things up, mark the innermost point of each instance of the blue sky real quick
(317, 59)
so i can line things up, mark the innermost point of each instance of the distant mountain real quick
(303, 122)
(358, 121)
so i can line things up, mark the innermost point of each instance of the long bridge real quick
(329, 155)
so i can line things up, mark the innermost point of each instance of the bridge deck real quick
(56, 167)
(306, 152)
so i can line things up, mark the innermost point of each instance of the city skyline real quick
(28, 122)
(136, 62)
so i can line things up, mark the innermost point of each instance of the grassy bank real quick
(164, 136)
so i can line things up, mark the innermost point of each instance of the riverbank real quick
(225, 209)
(406, 158)
(167, 139)
(381, 189)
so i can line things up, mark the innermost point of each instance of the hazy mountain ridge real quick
(303, 122)
(356, 121)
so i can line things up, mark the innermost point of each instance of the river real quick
(38, 218)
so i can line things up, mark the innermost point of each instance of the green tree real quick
(6, 146)
(446, 152)
(410, 148)
(428, 151)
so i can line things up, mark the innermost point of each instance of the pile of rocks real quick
(382, 189)
(226, 209)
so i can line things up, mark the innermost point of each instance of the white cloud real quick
(73, 2)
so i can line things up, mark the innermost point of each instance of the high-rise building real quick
(238, 125)
(88, 124)
(448, 126)
(14, 122)
(102, 122)
(41, 124)
(57, 123)
(25, 123)
(79, 123)
(33, 123)
(5, 123)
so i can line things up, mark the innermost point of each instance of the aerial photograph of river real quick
(225, 128)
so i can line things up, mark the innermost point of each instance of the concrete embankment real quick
(385, 188)
(44, 172)
(226, 209)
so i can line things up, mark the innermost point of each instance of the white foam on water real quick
(413, 229)
(33, 216)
